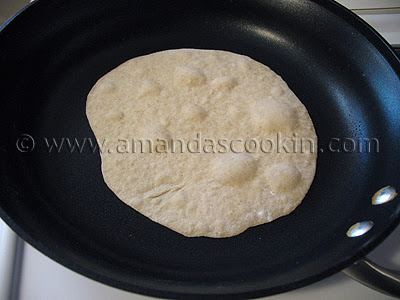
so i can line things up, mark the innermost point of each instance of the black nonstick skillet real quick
(346, 75)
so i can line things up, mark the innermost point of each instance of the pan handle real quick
(376, 277)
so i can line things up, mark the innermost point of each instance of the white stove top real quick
(31, 275)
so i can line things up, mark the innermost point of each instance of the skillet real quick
(342, 70)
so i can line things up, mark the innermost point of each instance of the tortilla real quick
(204, 142)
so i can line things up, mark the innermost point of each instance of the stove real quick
(27, 274)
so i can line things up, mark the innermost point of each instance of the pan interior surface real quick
(347, 78)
